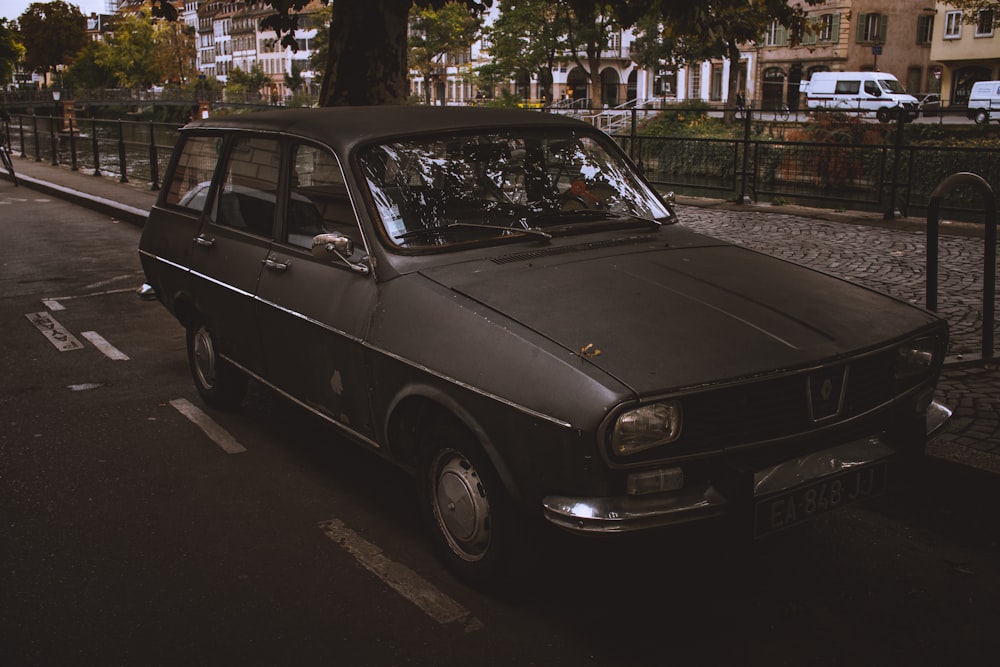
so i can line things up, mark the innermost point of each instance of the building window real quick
(826, 27)
(984, 23)
(952, 25)
(872, 28)
(925, 28)
(694, 83)
(777, 35)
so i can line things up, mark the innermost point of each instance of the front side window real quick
(318, 201)
(497, 186)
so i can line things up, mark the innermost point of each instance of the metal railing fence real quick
(884, 177)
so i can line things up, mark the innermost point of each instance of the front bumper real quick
(632, 513)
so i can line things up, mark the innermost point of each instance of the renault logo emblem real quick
(826, 389)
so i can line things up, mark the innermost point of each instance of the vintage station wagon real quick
(498, 302)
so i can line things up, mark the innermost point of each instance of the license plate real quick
(805, 502)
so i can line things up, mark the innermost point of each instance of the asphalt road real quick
(133, 533)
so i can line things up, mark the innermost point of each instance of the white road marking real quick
(109, 350)
(84, 387)
(52, 302)
(56, 333)
(216, 433)
(102, 283)
(400, 578)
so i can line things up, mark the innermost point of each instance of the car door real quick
(314, 308)
(233, 242)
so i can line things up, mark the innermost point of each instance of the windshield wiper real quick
(467, 226)
(591, 216)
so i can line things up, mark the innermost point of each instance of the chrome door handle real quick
(275, 265)
(203, 241)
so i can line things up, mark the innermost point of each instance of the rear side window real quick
(249, 189)
(848, 87)
(192, 176)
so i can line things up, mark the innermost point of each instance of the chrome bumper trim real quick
(629, 513)
(938, 415)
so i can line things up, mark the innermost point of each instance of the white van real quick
(862, 91)
(984, 102)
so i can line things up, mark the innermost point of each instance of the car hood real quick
(669, 318)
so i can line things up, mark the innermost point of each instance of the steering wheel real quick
(580, 197)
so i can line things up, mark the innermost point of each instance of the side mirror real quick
(342, 249)
(332, 243)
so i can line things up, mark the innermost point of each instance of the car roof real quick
(346, 127)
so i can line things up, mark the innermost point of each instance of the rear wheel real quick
(467, 509)
(220, 384)
(981, 117)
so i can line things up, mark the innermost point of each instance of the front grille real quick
(776, 408)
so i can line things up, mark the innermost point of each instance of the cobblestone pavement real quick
(892, 261)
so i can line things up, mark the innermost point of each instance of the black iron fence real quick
(881, 178)
(129, 150)
(890, 178)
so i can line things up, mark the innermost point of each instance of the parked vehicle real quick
(498, 302)
(929, 104)
(984, 102)
(860, 91)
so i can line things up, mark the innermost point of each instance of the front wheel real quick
(883, 115)
(220, 384)
(467, 509)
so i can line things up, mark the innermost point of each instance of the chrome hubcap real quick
(462, 508)
(204, 357)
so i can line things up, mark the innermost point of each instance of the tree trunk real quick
(368, 49)
(596, 82)
(734, 82)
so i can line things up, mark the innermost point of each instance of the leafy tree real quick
(693, 31)
(130, 53)
(86, 72)
(248, 84)
(11, 50)
(367, 45)
(525, 39)
(52, 34)
(320, 54)
(437, 33)
(175, 51)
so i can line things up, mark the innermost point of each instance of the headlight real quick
(646, 427)
(915, 358)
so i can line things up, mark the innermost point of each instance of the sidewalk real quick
(970, 388)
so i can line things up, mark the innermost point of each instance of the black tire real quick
(882, 115)
(469, 514)
(219, 383)
(982, 117)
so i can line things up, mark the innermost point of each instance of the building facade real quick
(964, 49)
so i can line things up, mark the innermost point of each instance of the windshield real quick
(487, 187)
